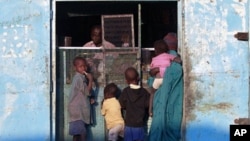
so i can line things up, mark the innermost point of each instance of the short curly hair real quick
(77, 59)
(131, 75)
(110, 90)
(160, 46)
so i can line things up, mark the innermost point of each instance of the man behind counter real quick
(96, 39)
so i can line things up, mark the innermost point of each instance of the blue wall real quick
(216, 68)
(25, 70)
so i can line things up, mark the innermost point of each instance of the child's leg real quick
(83, 136)
(114, 132)
(78, 130)
(120, 138)
(152, 92)
(76, 138)
(157, 83)
(155, 86)
(150, 109)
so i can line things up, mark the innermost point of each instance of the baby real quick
(162, 60)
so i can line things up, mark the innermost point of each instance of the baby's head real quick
(110, 90)
(131, 75)
(160, 47)
(80, 64)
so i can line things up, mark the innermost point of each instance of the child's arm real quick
(154, 71)
(151, 97)
(90, 79)
(90, 82)
(102, 108)
(150, 109)
(122, 101)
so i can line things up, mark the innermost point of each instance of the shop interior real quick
(74, 19)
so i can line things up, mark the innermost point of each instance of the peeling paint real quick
(18, 19)
(25, 43)
(189, 96)
(24, 86)
(215, 83)
(8, 103)
(220, 107)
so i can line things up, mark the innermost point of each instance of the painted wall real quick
(25, 70)
(216, 67)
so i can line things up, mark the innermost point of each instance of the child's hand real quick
(89, 76)
(92, 101)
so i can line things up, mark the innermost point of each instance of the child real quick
(135, 101)
(111, 110)
(79, 104)
(125, 40)
(162, 60)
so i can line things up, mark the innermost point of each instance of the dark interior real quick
(75, 19)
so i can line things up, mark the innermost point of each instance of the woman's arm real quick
(177, 59)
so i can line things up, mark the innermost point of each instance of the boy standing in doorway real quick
(79, 103)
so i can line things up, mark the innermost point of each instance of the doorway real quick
(152, 20)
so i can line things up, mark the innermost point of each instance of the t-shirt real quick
(105, 44)
(79, 104)
(111, 110)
